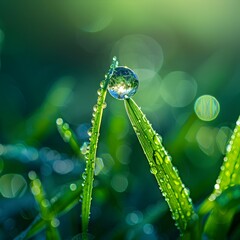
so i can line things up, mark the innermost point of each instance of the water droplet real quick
(73, 186)
(99, 91)
(123, 83)
(85, 148)
(157, 139)
(188, 213)
(102, 83)
(176, 215)
(153, 170)
(95, 107)
(158, 158)
(89, 132)
(104, 105)
(59, 121)
(169, 186)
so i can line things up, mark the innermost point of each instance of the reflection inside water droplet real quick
(123, 83)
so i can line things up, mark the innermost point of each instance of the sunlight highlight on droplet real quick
(178, 89)
(207, 108)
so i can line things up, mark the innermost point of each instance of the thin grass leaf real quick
(44, 207)
(230, 171)
(174, 191)
(90, 156)
(63, 202)
(68, 136)
(226, 205)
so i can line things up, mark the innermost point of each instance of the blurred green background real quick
(53, 56)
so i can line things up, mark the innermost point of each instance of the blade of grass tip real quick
(45, 207)
(174, 191)
(230, 171)
(68, 136)
(90, 156)
(63, 202)
(220, 219)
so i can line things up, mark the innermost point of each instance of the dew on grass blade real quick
(123, 83)
(207, 107)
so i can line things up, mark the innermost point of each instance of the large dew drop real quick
(123, 83)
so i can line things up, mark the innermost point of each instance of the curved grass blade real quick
(68, 136)
(62, 203)
(230, 171)
(90, 156)
(222, 215)
(174, 191)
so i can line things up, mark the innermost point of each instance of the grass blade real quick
(222, 215)
(230, 171)
(91, 154)
(44, 206)
(68, 136)
(174, 191)
(62, 203)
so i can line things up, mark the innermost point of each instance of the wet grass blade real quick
(68, 136)
(90, 156)
(230, 171)
(174, 191)
(222, 215)
(44, 207)
(63, 202)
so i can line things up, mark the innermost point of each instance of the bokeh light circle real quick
(207, 107)
(139, 52)
(12, 185)
(178, 89)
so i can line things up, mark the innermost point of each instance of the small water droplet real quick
(176, 215)
(158, 158)
(95, 107)
(65, 126)
(102, 83)
(85, 148)
(104, 105)
(176, 182)
(157, 138)
(99, 91)
(84, 175)
(59, 121)
(89, 132)
(123, 83)
(153, 170)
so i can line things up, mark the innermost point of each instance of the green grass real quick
(193, 221)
